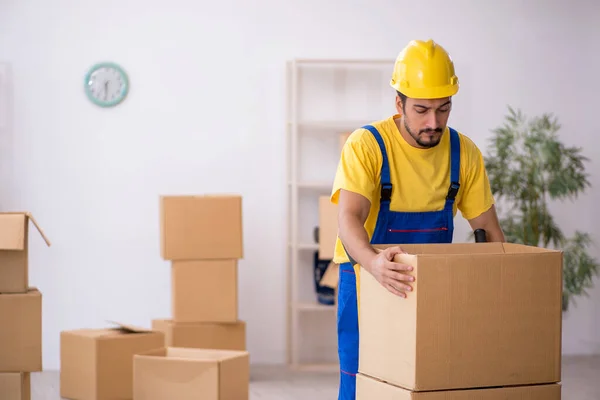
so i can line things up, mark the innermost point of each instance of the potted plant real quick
(528, 167)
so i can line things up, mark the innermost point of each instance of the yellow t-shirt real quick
(420, 177)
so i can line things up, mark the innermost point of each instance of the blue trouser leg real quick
(347, 326)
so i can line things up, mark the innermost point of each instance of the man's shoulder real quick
(363, 136)
(467, 144)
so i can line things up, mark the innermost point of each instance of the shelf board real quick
(306, 246)
(314, 306)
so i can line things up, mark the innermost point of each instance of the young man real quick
(402, 180)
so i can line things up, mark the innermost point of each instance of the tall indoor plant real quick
(528, 167)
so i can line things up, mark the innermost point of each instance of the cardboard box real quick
(368, 388)
(21, 331)
(14, 250)
(180, 373)
(331, 276)
(203, 335)
(97, 364)
(328, 228)
(15, 386)
(480, 315)
(331, 279)
(204, 291)
(201, 227)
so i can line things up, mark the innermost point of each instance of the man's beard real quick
(418, 139)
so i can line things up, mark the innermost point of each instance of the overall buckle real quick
(453, 191)
(386, 192)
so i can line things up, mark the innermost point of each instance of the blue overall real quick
(392, 227)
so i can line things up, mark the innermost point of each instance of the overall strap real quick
(386, 182)
(454, 168)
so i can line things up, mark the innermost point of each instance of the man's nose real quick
(432, 121)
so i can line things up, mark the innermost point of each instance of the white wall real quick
(204, 74)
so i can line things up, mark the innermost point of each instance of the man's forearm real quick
(495, 234)
(356, 240)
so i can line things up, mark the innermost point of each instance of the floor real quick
(581, 381)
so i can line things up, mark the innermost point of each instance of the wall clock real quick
(106, 84)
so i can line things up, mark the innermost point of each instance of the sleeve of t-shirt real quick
(358, 169)
(477, 195)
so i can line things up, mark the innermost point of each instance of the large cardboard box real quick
(368, 388)
(14, 251)
(21, 331)
(190, 374)
(201, 227)
(15, 386)
(97, 364)
(204, 291)
(480, 315)
(328, 228)
(203, 335)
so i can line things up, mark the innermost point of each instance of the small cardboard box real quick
(331, 279)
(328, 228)
(479, 315)
(368, 388)
(331, 276)
(14, 251)
(203, 335)
(201, 227)
(15, 386)
(182, 373)
(21, 331)
(97, 364)
(204, 291)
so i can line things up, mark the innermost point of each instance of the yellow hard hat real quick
(424, 70)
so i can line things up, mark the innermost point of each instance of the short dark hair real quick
(402, 100)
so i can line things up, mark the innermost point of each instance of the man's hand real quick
(391, 274)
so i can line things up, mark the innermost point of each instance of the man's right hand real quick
(390, 274)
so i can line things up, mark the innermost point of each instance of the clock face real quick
(106, 84)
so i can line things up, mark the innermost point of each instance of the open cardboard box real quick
(479, 315)
(192, 374)
(14, 250)
(97, 364)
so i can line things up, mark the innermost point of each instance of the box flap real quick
(37, 226)
(12, 234)
(129, 328)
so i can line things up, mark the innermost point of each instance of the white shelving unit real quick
(326, 98)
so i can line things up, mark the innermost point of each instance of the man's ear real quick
(399, 106)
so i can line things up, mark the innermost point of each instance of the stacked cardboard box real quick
(202, 237)
(20, 308)
(483, 322)
(204, 353)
